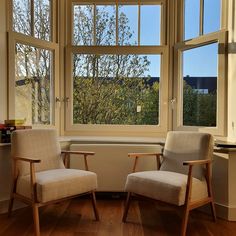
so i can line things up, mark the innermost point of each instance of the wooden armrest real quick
(84, 153)
(143, 154)
(78, 152)
(196, 162)
(137, 155)
(26, 159)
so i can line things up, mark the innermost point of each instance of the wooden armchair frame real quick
(33, 186)
(188, 205)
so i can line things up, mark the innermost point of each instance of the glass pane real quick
(21, 16)
(200, 86)
(106, 25)
(42, 19)
(211, 15)
(150, 25)
(128, 25)
(33, 85)
(83, 30)
(116, 89)
(191, 19)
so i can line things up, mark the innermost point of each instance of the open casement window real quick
(117, 67)
(199, 101)
(33, 56)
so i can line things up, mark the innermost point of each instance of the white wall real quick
(112, 164)
(3, 62)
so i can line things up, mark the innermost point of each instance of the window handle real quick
(58, 102)
(172, 103)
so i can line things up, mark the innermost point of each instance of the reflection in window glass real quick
(33, 85)
(116, 89)
(83, 25)
(191, 19)
(42, 19)
(21, 16)
(128, 25)
(106, 25)
(150, 25)
(211, 15)
(200, 86)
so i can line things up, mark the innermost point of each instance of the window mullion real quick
(117, 22)
(32, 17)
(201, 17)
(94, 24)
(139, 22)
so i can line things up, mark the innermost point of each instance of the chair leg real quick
(213, 211)
(11, 201)
(127, 204)
(185, 221)
(36, 220)
(95, 206)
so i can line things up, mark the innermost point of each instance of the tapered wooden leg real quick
(213, 211)
(185, 221)
(36, 220)
(11, 201)
(127, 204)
(95, 206)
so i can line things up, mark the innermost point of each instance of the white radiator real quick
(112, 164)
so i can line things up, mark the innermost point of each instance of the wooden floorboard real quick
(76, 218)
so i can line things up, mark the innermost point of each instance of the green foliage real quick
(198, 109)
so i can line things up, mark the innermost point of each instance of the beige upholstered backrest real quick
(185, 146)
(37, 144)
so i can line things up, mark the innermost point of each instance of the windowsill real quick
(4, 144)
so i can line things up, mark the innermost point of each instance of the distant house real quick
(203, 85)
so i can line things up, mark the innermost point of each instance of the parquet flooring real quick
(75, 218)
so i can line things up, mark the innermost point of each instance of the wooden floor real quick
(75, 217)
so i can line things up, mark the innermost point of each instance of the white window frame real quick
(219, 37)
(52, 45)
(163, 50)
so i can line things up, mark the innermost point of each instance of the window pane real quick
(150, 25)
(21, 16)
(83, 30)
(33, 85)
(116, 89)
(191, 18)
(42, 19)
(128, 25)
(106, 25)
(200, 86)
(211, 15)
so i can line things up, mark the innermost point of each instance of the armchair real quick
(40, 176)
(183, 176)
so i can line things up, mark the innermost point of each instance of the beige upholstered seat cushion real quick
(58, 183)
(165, 186)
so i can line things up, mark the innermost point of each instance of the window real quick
(33, 49)
(33, 86)
(201, 66)
(200, 86)
(116, 89)
(116, 63)
(201, 17)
